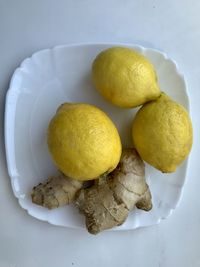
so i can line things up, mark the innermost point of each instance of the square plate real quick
(63, 74)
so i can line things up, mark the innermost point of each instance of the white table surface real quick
(172, 26)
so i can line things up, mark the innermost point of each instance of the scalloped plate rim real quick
(11, 90)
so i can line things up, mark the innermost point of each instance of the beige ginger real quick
(107, 202)
(56, 191)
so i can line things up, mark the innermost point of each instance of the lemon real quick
(162, 133)
(125, 77)
(83, 141)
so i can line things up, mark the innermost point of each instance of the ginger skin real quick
(107, 203)
(56, 191)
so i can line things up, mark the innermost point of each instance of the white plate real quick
(63, 74)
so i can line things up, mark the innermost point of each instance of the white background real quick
(168, 25)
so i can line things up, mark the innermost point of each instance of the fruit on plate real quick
(162, 133)
(125, 77)
(83, 141)
(107, 202)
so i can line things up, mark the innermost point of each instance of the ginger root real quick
(56, 191)
(107, 203)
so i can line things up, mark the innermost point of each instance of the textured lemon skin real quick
(162, 133)
(125, 77)
(83, 141)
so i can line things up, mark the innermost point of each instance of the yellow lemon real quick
(125, 77)
(162, 133)
(83, 141)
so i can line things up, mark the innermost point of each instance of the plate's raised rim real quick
(9, 112)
